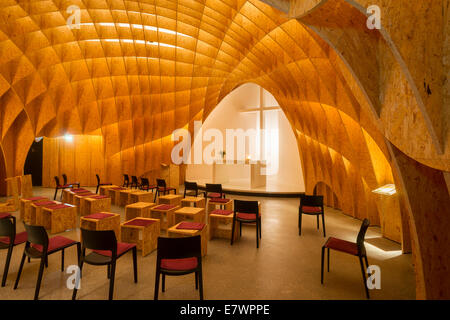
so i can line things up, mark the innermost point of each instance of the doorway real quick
(33, 163)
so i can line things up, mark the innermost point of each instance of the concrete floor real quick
(285, 267)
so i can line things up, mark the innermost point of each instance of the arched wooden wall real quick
(136, 70)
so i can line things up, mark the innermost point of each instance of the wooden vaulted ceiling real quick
(136, 70)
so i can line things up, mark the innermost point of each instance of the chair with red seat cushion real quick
(9, 239)
(213, 190)
(246, 212)
(190, 189)
(105, 251)
(145, 185)
(313, 206)
(59, 186)
(179, 256)
(71, 184)
(355, 249)
(163, 188)
(99, 184)
(39, 246)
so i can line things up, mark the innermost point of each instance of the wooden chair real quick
(99, 184)
(106, 251)
(188, 187)
(213, 191)
(311, 205)
(39, 246)
(356, 249)
(71, 184)
(59, 186)
(145, 185)
(9, 239)
(126, 181)
(246, 212)
(134, 182)
(162, 187)
(177, 257)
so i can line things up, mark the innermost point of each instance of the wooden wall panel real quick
(79, 159)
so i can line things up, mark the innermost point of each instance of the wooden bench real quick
(140, 196)
(219, 218)
(164, 213)
(189, 214)
(58, 218)
(102, 221)
(94, 204)
(199, 202)
(25, 207)
(172, 199)
(188, 229)
(138, 209)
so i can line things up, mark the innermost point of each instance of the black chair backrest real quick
(57, 181)
(64, 178)
(126, 177)
(99, 240)
(134, 179)
(8, 228)
(361, 235)
(145, 182)
(98, 178)
(215, 188)
(311, 201)
(37, 235)
(192, 186)
(179, 248)
(161, 183)
(244, 206)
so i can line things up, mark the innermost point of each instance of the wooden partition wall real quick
(80, 158)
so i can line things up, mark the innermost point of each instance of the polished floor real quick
(285, 267)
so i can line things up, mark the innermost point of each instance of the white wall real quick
(227, 115)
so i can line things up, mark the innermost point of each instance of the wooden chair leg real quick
(363, 271)
(39, 279)
(62, 260)
(328, 259)
(323, 223)
(8, 260)
(196, 280)
(299, 222)
(75, 290)
(163, 282)
(111, 281)
(156, 285)
(135, 265)
(257, 233)
(321, 264)
(200, 280)
(20, 271)
(56, 193)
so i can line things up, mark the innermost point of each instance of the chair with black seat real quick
(59, 186)
(126, 181)
(311, 205)
(246, 212)
(213, 190)
(134, 182)
(190, 189)
(9, 239)
(105, 251)
(99, 184)
(163, 188)
(177, 257)
(70, 184)
(39, 246)
(356, 249)
(145, 185)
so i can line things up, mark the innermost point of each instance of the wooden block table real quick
(138, 209)
(114, 194)
(35, 210)
(219, 218)
(172, 199)
(189, 229)
(68, 194)
(141, 196)
(94, 204)
(58, 218)
(198, 202)
(78, 200)
(102, 221)
(124, 197)
(144, 232)
(214, 203)
(25, 206)
(189, 213)
(164, 213)
(104, 190)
